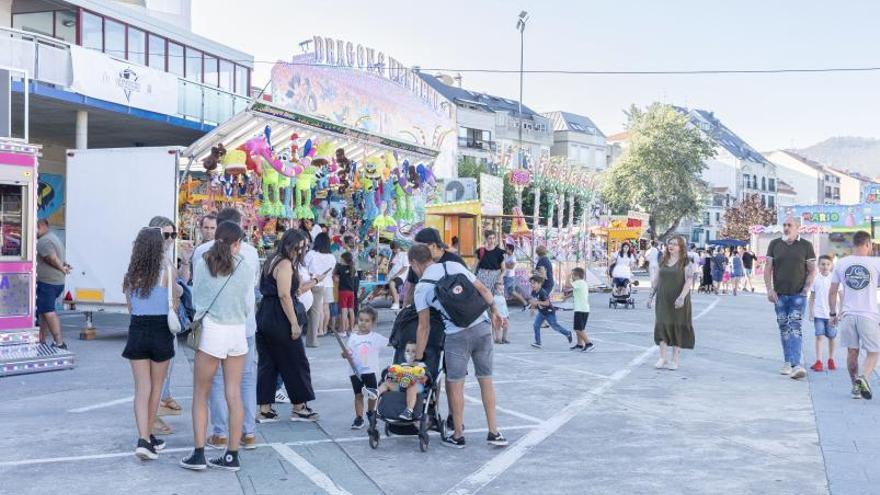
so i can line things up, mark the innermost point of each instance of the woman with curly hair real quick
(150, 347)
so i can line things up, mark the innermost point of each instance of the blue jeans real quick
(551, 319)
(789, 312)
(217, 402)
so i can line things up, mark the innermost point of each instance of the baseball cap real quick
(430, 235)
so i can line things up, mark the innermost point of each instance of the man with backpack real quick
(462, 300)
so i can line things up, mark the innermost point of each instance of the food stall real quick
(20, 348)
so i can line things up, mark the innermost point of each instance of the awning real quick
(358, 144)
(728, 243)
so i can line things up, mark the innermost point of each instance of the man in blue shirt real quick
(544, 262)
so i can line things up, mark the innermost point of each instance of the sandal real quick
(169, 407)
(304, 414)
(160, 427)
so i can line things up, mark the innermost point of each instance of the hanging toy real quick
(322, 179)
(304, 183)
(271, 205)
(383, 223)
(345, 171)
(371, 208)
(213, 160)
(234, 162)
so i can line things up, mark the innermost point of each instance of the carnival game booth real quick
(835, 225)
(20, 348)
(278, 167)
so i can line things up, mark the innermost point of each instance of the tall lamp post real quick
(521, 26)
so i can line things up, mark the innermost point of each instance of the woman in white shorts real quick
(221, 280)
(320, 263)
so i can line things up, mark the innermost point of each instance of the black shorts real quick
(149, 338)
(580, 320)
(398, 282)
(366, 380)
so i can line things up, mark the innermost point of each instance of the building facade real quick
(489, 127)
(817, 183)
(577, 139)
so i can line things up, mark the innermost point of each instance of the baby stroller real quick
(622, 293)
(392, 403)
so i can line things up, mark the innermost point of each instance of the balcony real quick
(48, 60)
(471, 144)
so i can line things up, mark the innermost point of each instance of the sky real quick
(768, 111)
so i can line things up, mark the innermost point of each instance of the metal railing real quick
(47, 60)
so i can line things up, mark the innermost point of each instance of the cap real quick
(430, 236)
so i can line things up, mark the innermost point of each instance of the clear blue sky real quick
(769, 111)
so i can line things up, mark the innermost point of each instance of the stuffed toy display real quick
(371, 208)
(383, 223)
(405, 375)
(213, 160)
(304, 184)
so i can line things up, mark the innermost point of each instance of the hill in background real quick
(858, 154)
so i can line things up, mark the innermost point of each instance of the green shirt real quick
(790, 264)
(581, 296)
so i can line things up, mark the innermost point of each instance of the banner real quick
(492, 194)
(50, 198)
(840, 218)
(98, 76)
(872, 194)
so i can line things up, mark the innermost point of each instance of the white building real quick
(578, 140)
(786, 195)
(489, 126)
(806, 176)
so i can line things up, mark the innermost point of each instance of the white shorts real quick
(222, 341)
(858, 332)
(328, 295)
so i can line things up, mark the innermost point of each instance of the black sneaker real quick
(267, 417)
(577, 347)
(536, 345)
(145, 451)
(157, 443)
(229, 462)
(358, 423)
(496, 439)
(195, 461)
(864, 387)
(451, 441)
(450, 424)
(62, 345)
(589, 346)
(406, 415)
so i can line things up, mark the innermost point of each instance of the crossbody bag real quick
(197, 325)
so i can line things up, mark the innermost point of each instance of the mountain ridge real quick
(853, 153)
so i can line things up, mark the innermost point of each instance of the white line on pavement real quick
(605, 341)
(305, 467)
(496, 466)
(101, 405)
(545, 365)
(510, 412)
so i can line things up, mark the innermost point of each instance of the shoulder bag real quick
(173, 319)
(195, 334)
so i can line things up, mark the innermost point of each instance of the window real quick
(771, 202)
(137, 46)
(211, 75)
(227, 76)
(193, 64)
(763, 200)
(114, 38)
(65, 25)
(836, 193)
(771, 184)
(748, 179)
(754, 181)
(175, 59)
(35, 22)
(157, 52)
(92, 32)
(763, 183)
(242, 80)
(717, 217)
(706, 218)
(12, 220)
(827, 191)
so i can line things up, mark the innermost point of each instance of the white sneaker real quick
(281, 396)
(798, 372)
(395, 307)
(660, 364)
(672, 366)
(786, 369)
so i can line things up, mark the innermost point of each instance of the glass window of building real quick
(65, 25)
(35, 22)
(175, 59)
(137, 46)
(92, 31)
(227, 75)
(156, 57)
(114, 38)
(241, 80)
(193, 64)
(211, 74)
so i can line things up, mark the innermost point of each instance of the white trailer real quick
(112, 194)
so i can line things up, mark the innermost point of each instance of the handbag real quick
(195, 335)
(173, 319)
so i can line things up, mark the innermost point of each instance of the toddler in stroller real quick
(621, 293)
(408, 395)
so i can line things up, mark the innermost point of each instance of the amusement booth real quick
(20, 348)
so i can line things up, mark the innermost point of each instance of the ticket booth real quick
(20, 348)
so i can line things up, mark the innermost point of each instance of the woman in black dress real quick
(280, 320)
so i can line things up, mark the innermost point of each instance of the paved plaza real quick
(604, 422)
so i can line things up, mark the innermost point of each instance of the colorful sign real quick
(872, 194)
(836, 217)
(50, 195)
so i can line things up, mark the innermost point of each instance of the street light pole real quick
(521, 25)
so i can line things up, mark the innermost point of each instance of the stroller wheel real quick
(423, 442)
(374, 439)
(387, 430)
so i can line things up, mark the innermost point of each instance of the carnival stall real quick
(20, 348)
(835, 224)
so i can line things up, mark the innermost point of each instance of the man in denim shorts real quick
(462, 344)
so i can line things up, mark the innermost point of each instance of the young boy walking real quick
(581, 294)
(546, 311)
(859, 315)
(363, 354)
(819, 313)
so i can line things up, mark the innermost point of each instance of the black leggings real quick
(279, 354)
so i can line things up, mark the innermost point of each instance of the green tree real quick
(469, 167)
(660, 170)
(744, 214)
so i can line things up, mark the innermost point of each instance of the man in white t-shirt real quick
(399, 267)
(858, 275)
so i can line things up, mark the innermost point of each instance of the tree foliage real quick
(660, 170)
(744, 214)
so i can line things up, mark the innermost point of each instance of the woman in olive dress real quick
(673, 326)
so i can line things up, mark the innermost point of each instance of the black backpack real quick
(462, 303)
